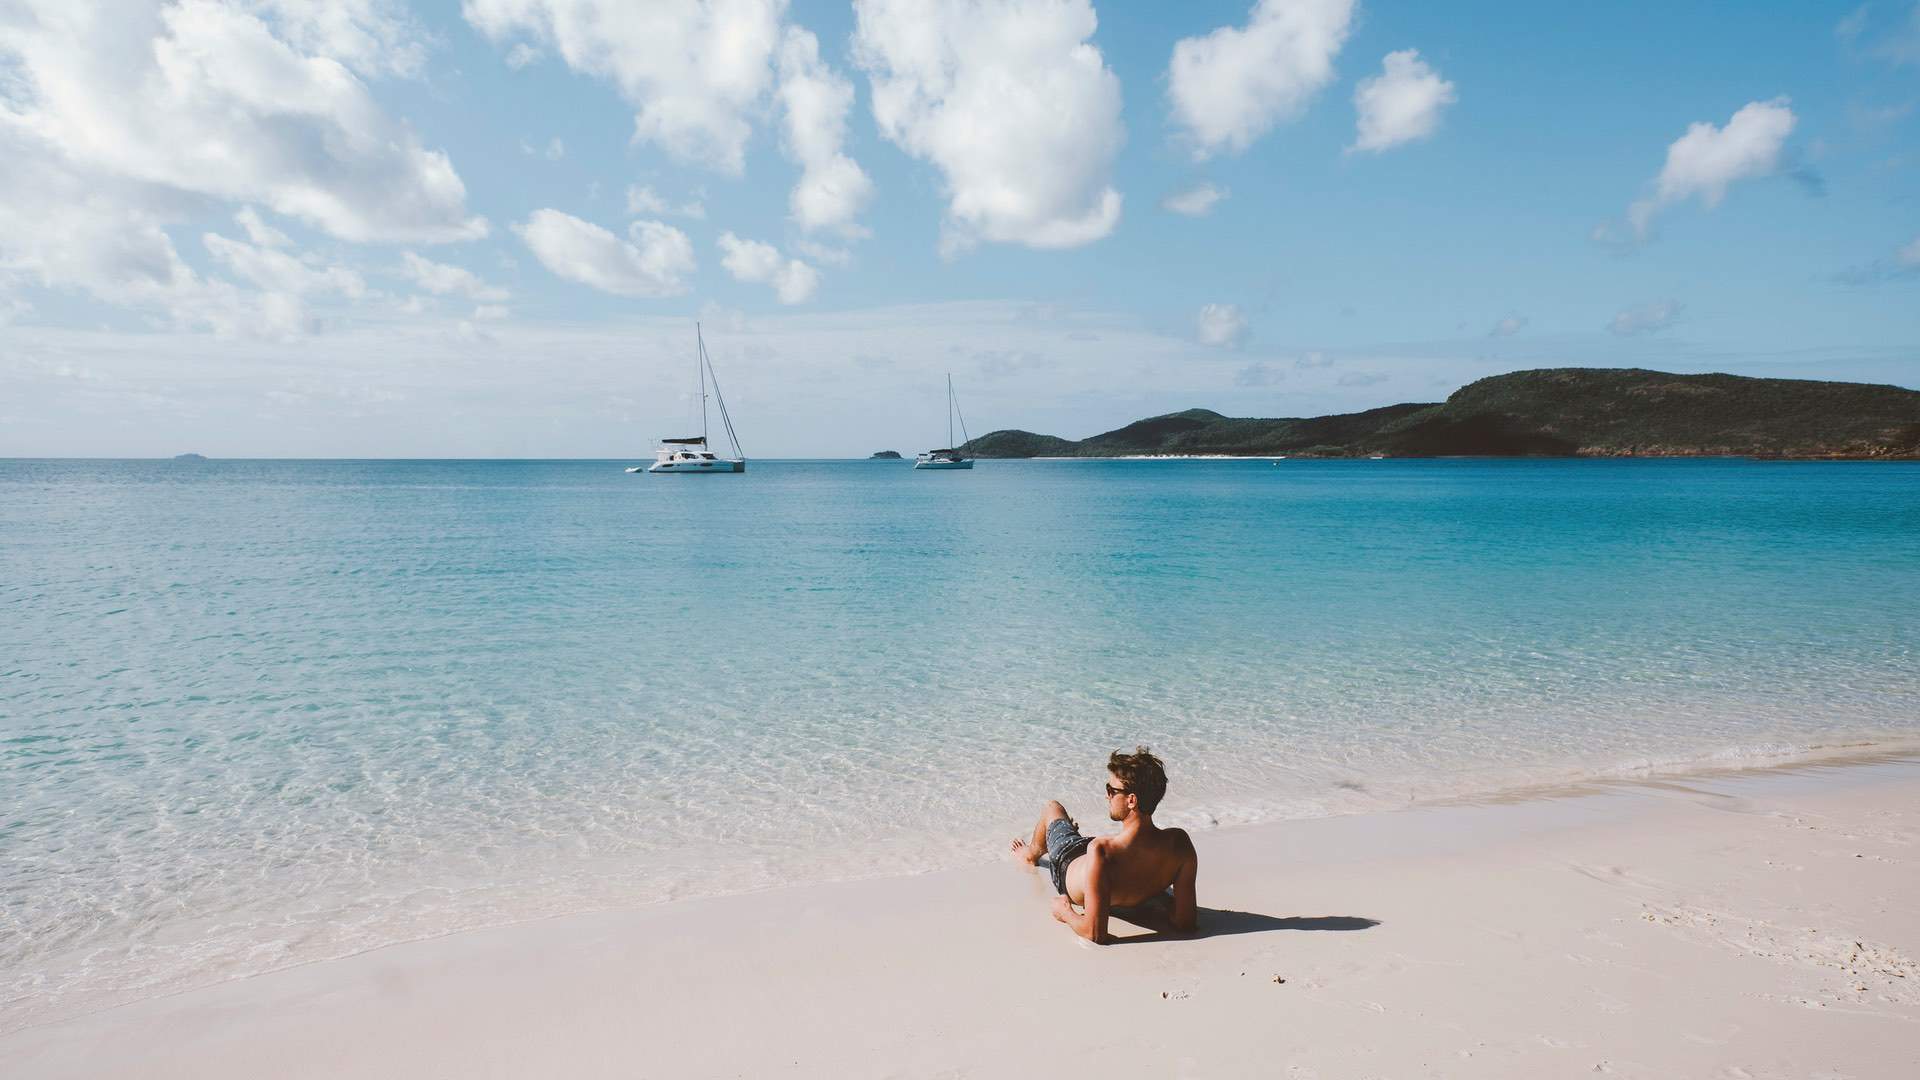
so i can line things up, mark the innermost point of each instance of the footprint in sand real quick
(1607, 1003)
(1857, 972)
(1895, 836)
(1618, 876)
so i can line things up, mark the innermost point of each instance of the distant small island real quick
(1551, 412)
(886, 455)
(189, 457)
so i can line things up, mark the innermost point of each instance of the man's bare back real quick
(1136, 868)
(1139, 864)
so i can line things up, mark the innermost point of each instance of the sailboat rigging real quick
(691, 454)
(948, 457)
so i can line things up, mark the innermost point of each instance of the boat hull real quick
(967, 464)
(697, 467)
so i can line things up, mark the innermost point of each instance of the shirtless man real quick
(1125, 870)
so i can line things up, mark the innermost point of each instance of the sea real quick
(260, 713)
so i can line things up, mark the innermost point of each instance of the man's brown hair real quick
(1143, 774)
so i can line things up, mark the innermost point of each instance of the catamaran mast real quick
(949, 408)
(720, 396)
(700, 364)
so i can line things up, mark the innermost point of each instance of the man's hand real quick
(1092, 923)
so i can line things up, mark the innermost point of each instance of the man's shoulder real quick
(1178, 840)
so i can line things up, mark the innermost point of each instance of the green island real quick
(1551, 412)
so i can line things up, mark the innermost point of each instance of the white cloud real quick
(521, 55)
(62, 229)
(259, 231)
(693, 70)
(1909, 255)
(1508, 326)
(814, 100)
(443, 280)
(823, 253)
(1223, 325)
(1401, 104)
(643, 201)
(200, 98)
(373, 37)
(651, 262)
(1312, 360)
(1645, 319)
(751, 261)
(1707, 159)
(1011, 101)
(555, 149)
(1898, 44)
(1231, 86)
(285, 281)
(720, 316)
(1196, 201)
(490, 311)
(279, 271)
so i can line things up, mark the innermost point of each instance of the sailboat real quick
(691, 455)
(947, 457)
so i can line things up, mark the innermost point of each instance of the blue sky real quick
(361, 228)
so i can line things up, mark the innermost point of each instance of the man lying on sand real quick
(1125, 870)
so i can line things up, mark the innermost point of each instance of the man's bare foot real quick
(1024, 852)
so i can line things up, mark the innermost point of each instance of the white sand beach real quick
(1755, 924)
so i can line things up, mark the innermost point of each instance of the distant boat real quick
(948, 457)
(691, 455)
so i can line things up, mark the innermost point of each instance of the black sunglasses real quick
(1112, 791)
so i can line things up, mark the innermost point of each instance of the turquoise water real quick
(254, 713)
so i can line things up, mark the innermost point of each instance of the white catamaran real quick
(948, 457)
(690, 455)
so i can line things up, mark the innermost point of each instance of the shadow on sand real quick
(1218, 922)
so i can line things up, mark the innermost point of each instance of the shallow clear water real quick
(253, 713)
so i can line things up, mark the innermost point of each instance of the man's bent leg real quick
(1035, 848)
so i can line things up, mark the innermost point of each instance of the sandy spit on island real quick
(1756, 924)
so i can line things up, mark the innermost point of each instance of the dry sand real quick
(1747, 925)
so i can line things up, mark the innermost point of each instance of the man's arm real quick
(1092, 923)
(1186, 907)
